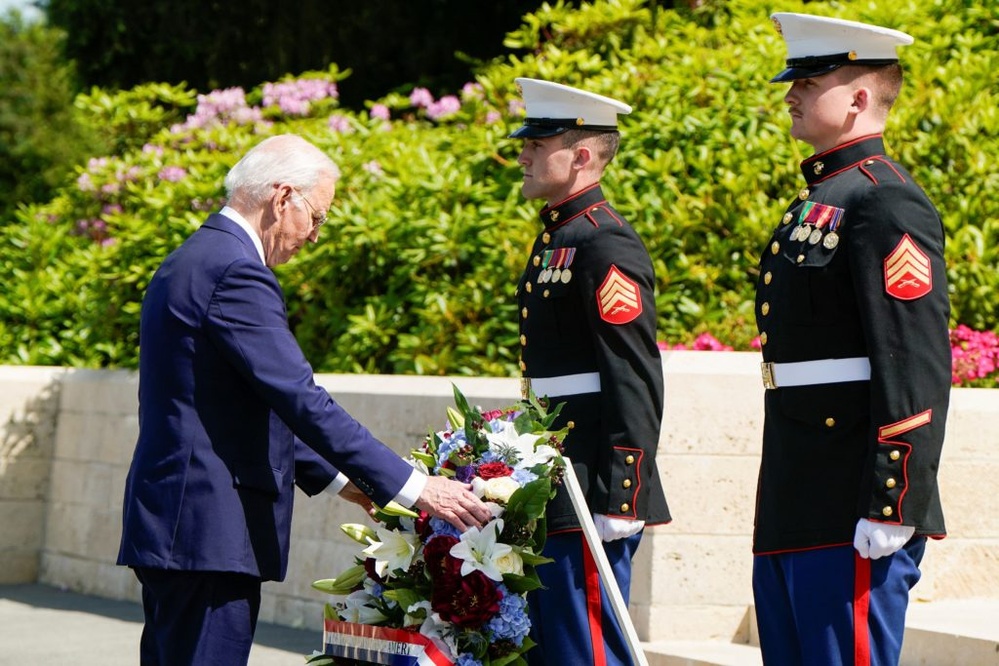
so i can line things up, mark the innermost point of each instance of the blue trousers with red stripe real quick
(831, 607)
(572, 620)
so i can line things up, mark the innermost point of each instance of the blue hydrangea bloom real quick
(523, 476)
(466, 659)
(511, 622)
(441, 527)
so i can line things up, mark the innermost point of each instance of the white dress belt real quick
(807, 373)
(585, 382)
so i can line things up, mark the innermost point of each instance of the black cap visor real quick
(811, 66)
(794, 73)
(539, 128)
(531, 131)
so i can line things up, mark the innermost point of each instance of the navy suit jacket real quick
(229, 414)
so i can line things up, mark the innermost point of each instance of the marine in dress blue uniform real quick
(853, 314)
(588, 339)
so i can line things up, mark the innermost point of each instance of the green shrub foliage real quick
(416, 270)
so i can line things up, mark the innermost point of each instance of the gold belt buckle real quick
(767, 369)
(525, 387)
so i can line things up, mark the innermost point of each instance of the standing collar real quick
(562, 212)
(824, 165)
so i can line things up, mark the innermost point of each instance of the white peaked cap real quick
(553, 108)
(817, 45)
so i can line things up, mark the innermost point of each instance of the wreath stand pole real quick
(603, 565)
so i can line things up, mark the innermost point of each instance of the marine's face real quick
(548, 169)
(821, 109)
(296, 220)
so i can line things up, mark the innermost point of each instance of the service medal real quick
(556, 274)
(815, 237)
(566, 275)
(803, 232)
(831, 240)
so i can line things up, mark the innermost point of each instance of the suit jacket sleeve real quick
(248, 323)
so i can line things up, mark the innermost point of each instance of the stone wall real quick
(67, 439)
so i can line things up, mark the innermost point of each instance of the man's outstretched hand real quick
(454, 502)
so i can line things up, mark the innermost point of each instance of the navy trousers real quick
(572, 620)
(831, 607)
(197, 618)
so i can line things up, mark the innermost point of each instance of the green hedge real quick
(415, 272)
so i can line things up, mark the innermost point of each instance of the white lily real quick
(508, 438)
(479, 550)
(392, 550)
(356, 609)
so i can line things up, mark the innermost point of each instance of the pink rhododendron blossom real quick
(471, 90)
(974, 354)
(420, 97)
(151, 149)
(373, 167)
(340, 124)
(493, 117)
(294, 97)
(380, 111)
(444, 107)
(172, 174)
(218, 108)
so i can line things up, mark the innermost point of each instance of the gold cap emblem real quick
(580, 122)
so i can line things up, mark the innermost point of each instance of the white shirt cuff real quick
(337, 484)
(412, 490)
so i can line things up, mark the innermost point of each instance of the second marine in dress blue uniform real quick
(853, 313)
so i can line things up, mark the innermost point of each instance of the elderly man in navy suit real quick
(230, 419)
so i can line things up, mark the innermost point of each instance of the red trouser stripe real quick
(593, 611)
(861, 605)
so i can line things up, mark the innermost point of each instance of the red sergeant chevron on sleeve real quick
(908, 275)
(618, 299)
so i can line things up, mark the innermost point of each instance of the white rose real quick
(511, 563)
(501, 488)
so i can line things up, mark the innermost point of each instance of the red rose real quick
(491, 470)
(470, 604)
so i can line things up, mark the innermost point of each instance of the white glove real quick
(876, 540)
(612, 529)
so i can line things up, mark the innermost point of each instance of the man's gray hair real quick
(285, 158)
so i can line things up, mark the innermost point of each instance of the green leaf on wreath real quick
(533, 558)
(403, 596)
(520, 584)
(529, 502)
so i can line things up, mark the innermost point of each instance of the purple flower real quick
(465, 473)
(379, 111)
(373, 167)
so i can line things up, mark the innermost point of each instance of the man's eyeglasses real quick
(318, 218)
